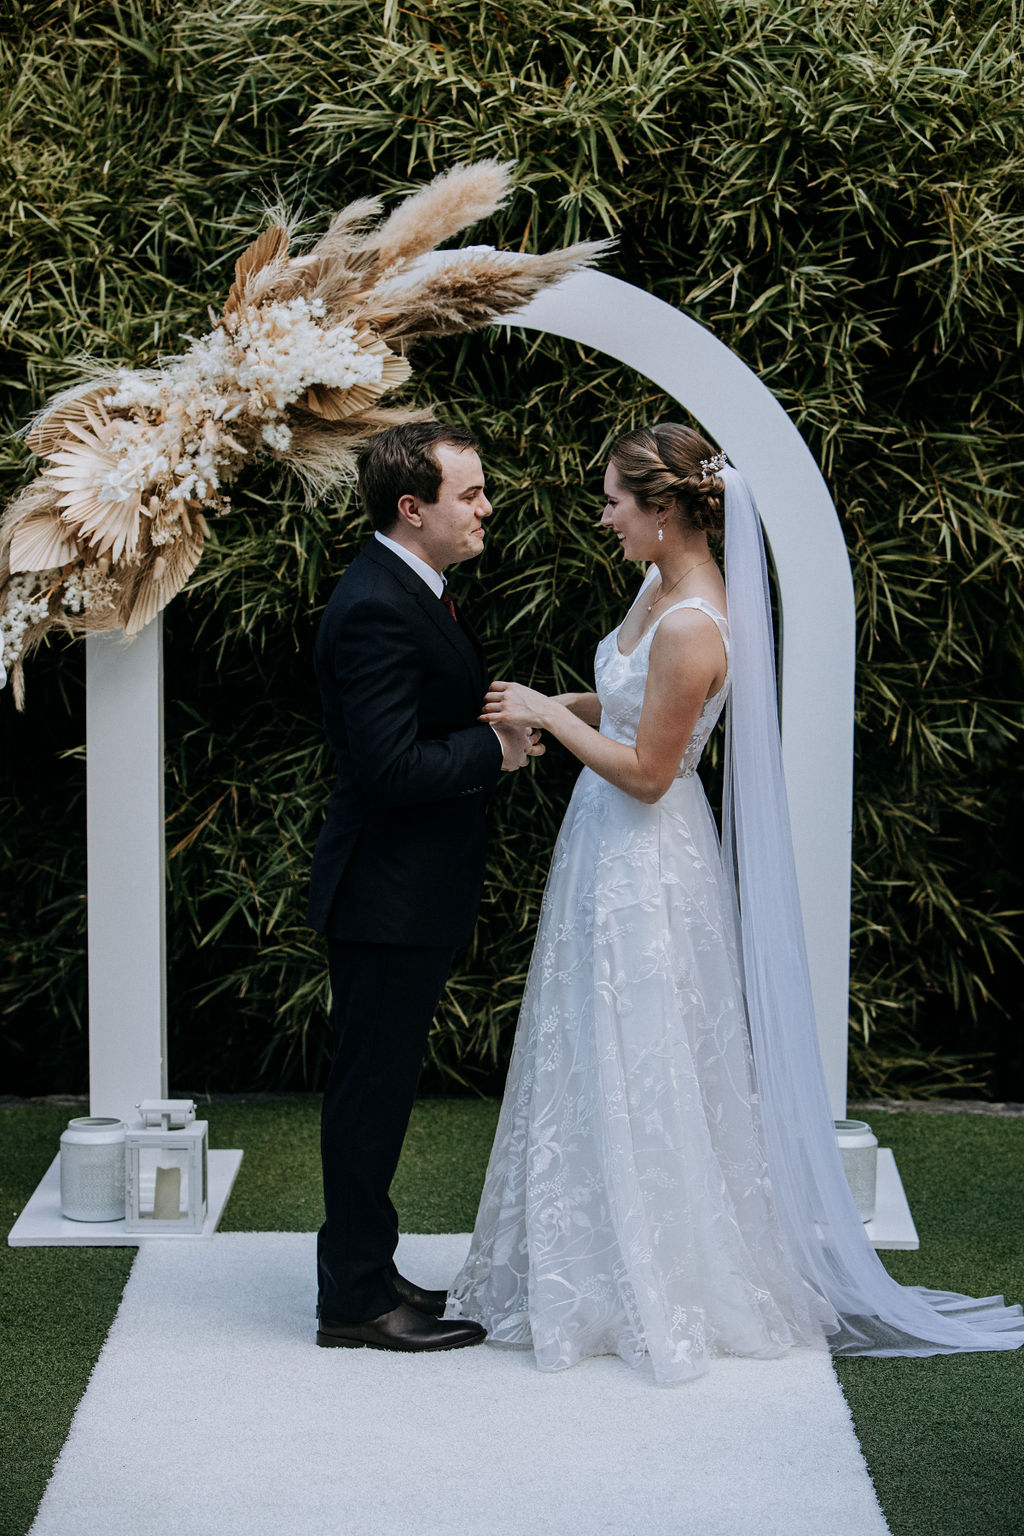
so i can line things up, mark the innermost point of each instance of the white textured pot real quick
(858, 1147)
(92, 1169)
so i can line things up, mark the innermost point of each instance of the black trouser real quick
(384, 997)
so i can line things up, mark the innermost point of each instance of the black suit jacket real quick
(400, 858)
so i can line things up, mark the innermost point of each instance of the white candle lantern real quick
(165, 1155)
(92, 1169)
(858, 1148)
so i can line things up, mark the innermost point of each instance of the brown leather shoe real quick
(404, 1329)
(431, 1302)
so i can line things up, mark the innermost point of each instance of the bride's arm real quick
(686, 661)
(585, 706)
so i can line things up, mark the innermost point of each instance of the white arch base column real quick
(127, 958)
(125, 811)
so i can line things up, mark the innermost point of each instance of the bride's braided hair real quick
(661, 467)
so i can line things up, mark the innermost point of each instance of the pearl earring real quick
(661, 534)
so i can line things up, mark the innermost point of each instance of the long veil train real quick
(871, 1313)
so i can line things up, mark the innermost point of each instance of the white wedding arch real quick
(127, 964)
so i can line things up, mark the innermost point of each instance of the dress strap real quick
(719, 619)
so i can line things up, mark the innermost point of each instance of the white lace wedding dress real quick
(627, 1208)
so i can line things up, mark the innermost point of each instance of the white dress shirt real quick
(434, 580)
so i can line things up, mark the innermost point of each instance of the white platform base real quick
(41, 1224)
(893, 1225)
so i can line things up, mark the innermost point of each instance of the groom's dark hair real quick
(400, 462)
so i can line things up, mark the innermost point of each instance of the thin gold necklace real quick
(663, 593)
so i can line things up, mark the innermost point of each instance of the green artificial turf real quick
(941, 1435)
(56, 1305)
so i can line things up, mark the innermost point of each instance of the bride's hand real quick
(512, 704)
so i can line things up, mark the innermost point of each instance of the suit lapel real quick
(458, 635)
(474, 640)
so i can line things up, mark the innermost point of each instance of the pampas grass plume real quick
(435, 213)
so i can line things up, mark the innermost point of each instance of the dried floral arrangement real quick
(294, 370)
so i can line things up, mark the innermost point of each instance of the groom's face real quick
(451, 528)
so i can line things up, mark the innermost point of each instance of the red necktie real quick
(448, 603)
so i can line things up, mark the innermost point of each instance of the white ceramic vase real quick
(858, 1147)
(92, 1169)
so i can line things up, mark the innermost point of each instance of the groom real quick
(398, 869)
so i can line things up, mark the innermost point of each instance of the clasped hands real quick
(515, 713)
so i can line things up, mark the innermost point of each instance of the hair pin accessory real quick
(714, 465)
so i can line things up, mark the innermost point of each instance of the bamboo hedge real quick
(834, 190)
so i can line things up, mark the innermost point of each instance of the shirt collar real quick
(434, 580)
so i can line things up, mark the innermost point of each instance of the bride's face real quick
(635, 527)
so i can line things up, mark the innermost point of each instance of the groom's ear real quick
(409, 511)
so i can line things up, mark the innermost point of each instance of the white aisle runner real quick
(210, 1410)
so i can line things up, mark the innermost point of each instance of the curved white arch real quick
(127, 1004)
(815, 592)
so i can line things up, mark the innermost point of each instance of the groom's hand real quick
(518, 745)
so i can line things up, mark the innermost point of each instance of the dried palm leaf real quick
(42, 542)
(81, 472)
(269, 249)
(338, 270)
(70, 408)
(299, 276)
(343, 286)
(336, 404)
(162, 576)
(29, 515)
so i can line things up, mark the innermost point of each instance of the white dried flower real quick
(87, 588)
(277, 435)
(27, 604)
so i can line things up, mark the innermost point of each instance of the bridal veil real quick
(871, 1313)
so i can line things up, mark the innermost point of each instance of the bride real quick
(664, 1183)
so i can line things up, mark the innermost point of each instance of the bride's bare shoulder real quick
(689, 637)
(687, 623)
